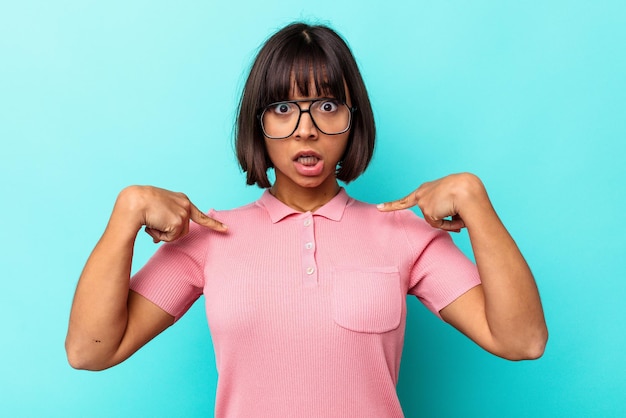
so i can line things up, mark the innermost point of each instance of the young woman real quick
(306, 288)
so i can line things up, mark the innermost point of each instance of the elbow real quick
(79, 362)
(530, 349)
(533, 352)
(536, 345)
(79, 359)
(537, 349)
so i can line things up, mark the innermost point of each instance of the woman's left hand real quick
(444, 202)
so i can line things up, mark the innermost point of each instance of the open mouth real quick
(308, 160)
(308, 163)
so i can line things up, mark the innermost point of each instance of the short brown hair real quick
(299, 50)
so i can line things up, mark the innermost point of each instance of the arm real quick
(108, 322)
(503, 315)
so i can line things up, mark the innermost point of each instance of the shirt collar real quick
(278, 211)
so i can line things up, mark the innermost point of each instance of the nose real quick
(306, 128)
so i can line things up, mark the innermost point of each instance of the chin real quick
(310, 184)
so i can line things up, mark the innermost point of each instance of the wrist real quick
(128, 212)
(472, 200)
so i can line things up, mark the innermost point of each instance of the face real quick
(308, 158)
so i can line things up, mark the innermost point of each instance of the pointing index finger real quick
(200, 218)
(404, 203)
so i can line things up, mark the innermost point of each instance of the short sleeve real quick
(441, 272)
(173, 278)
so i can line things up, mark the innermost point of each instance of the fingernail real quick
(380, 206)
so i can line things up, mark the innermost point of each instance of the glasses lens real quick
(280, 120)
(330, 116)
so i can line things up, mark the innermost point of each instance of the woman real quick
(305, 288)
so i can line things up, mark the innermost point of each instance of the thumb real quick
(200, 218)
(450, 223)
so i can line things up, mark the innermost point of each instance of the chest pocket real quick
(367, 300)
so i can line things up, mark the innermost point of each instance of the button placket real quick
(309, 266)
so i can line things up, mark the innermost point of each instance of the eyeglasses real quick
(280, 120)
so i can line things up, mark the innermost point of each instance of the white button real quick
(308, 245)
(310, 270)
(307, 222)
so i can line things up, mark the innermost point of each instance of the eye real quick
(328, 106)
(282, 108)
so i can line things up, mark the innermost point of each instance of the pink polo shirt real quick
(307, 310)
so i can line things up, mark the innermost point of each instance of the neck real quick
(305, 199)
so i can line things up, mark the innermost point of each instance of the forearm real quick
(512, 304)
(504, 314)
(99, 314)
(108, 323)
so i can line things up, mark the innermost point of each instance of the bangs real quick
(307, 67)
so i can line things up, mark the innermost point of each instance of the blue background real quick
(95, 96)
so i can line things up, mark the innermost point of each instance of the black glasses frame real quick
(297, 103)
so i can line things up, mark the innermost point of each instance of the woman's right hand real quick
(165, 214)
